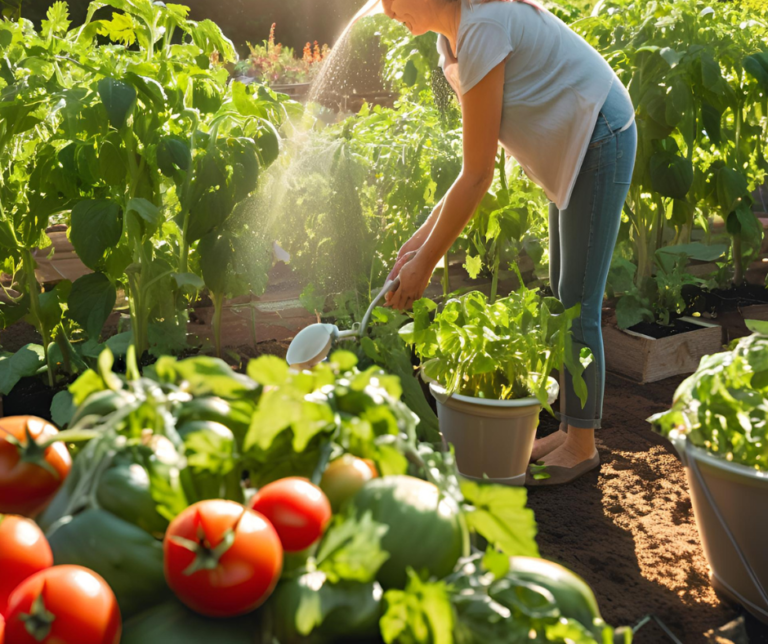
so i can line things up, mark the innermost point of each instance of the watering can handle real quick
(388, 286)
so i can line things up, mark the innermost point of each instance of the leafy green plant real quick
(695, 75)
(501, 350)
(721, 407)
(660, 298)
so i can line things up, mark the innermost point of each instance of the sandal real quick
(561, 475)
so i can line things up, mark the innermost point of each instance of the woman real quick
(527, 81)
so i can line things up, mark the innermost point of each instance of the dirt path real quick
(630, 531)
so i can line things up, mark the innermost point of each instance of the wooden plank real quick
(645, 359)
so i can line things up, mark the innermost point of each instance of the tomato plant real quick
(63, 604)
(32, 466)
(299, 510)
(222, 559)
(23, 552)
(344, 477)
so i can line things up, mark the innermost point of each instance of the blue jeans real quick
(581, 242)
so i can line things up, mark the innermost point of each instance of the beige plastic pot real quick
(493, 439)
(730, 503)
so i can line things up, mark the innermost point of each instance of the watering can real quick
(313, 343)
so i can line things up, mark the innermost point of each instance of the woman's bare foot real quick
(578, 446)
(543, 446)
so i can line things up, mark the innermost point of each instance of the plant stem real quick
(34, 304)
(218, 301)
(446, 278)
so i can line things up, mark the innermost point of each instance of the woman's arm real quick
(481, 116)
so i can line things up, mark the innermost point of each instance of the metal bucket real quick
(730, 503)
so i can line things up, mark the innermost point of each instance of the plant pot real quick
(644, 359)
(730, 503)
(493, 439)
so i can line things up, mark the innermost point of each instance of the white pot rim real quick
(684, 446)
(440, 393)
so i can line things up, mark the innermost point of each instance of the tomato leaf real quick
(351, 549)
(91, 301)
(420, 614)
(499, 514)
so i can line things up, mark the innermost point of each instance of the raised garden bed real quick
(650, 352)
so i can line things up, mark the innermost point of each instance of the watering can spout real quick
(313, 343)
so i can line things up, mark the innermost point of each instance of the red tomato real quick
(222, 559)
(68, 605)
(2, 629)
(24, 551)
(344, 477)
(29, 476)
(299, 510)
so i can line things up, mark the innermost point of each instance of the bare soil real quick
(629, 529)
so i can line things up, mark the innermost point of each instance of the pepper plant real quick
(697, 76)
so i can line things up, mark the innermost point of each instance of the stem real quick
(738, 268)
(218, 300)
(34, 304)
(446, 278)
(495, 281)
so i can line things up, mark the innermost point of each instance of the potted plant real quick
(488, 367)
(718, 423)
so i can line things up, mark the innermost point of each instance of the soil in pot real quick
(659, 331)
(723, 300)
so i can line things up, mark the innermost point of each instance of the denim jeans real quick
(581, 242)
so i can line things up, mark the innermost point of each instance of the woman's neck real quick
(447, 22)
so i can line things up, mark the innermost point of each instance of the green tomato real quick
(425, 530)
(129, 559)
(327, 613)
(174, 623)
(124, 490)
(344, 477)
(573, 596)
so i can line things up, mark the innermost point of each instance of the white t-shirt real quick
(555, 84)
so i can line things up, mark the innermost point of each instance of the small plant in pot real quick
(718, 423)
(488, 366)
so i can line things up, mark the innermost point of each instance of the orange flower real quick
(307, 53)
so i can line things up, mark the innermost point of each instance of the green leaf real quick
(696, 250)
(62, 408)
(731, 187)
(473, 266)
(96, 226)
(268, 370)
(500, 515)
(351, 549)
(189, 279)
(410, 73)
(756, 66)
(343, 360)
(120, 29)
(268, 143)
(757, 326)
(173, 155)
(671, 56)
(51, 304)
(91, 301)
(671, 175)
(420, 614)
(58, 20)
(119, 343)
(149, 212)
(25, 362)
(496, 562)
(206, 376)
(112, 164)
(119, 100)
(216, 257)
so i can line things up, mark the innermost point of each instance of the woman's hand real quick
(414, 278)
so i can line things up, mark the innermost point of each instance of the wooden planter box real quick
(645, 359)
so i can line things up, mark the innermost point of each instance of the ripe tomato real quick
(63, 605)
(29, 475)
(299, 510)
(2, 629)
(24, 551)
(344, 477)
(222, 559)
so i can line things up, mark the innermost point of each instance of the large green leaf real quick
(711, 118)
(731, 187)
(173, 154)
(96, 226)
(25, 362)
(119, 100)
(696, 250)
(51, 303)
(756, 66)
(671, 174)
(91, 301)
(112, 164)
(150, 214)
(216, 259)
